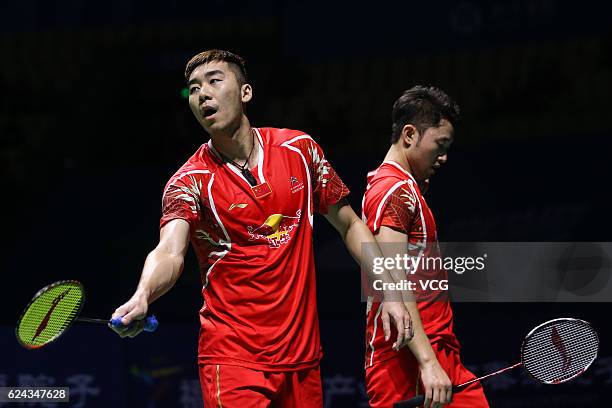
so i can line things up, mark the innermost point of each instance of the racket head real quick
(559, 350)
(50, 313)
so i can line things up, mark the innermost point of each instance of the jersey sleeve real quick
(399, 210)
(181, 199)
(328, 189)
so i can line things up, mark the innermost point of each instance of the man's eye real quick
(214, 80)
(194, 89)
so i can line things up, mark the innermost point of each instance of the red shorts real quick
(398, 379)
(238, 387)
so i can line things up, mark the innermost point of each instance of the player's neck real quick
(238, 144)
(396, 154)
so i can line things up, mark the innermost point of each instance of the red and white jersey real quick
(393, 199)
(254, 247)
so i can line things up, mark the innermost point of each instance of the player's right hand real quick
(398, 314)
(132, 315)
(438, 387)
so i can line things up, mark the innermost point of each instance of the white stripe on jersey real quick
(376, 220)
(260, 159)
(363, 216)
(424, 242)
(227, 241)
(308, 176)
(423, 245)
(374, 332)
(384, 200)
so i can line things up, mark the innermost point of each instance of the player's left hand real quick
(437, 386)
(397, 313)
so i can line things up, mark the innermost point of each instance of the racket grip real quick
(411, 403)
(150, 325)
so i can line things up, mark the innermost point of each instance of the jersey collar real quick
(260, 159)
(396, 164)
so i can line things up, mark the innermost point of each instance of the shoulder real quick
(388, 183)
(280, 137)
(194, 171)
(386, 179)
(290, 141)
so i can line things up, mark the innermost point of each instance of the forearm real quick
(419, 345)
(356, 237)
(159, 274)
(363, 247)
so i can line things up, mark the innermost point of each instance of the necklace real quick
(244, 168)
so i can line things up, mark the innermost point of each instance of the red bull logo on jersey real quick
(276, 229)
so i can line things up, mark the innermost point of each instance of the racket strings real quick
(50, 313)
(561, 361)
(576, 348)
(560, 351)
(555, 371)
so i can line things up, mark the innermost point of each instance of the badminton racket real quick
(552, 353)
(54, 309)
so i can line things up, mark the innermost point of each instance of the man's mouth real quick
(208, 111)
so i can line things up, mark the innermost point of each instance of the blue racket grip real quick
(150, 325)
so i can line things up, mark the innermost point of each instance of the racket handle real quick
(150, 325)
(411, 403)
(419, 399)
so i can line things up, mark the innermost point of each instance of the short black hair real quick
(423, 107)
(235, 61)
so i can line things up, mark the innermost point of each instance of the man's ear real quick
(409, 135)
(246, 93)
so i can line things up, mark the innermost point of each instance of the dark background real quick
(93, 123)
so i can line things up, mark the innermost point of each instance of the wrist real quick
(428, 361)
(142, 295)
(392, 296)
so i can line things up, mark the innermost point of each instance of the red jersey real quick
(254, 247)
(393, 199)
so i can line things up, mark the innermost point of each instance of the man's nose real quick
(204, 94)
(442, 159)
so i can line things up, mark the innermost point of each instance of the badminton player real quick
(245, 200)
(396, 212)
